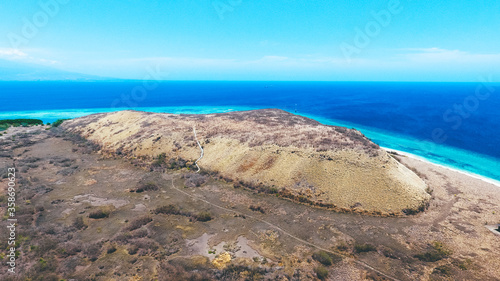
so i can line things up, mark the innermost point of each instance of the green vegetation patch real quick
(321, 272)
(363, 248)
(174, 210)
(444, 270)
(437, 252)
(6, 123)
(326, 258)
(58, 122)
(99, 214)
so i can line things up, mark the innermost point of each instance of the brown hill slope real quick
(303, 159)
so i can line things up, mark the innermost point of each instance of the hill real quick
(268, 150)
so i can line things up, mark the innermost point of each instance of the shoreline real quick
(76, 113)
(454, 169)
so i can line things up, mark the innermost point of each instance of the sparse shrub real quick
(326, 258)
(321, 272)
(93, 251)
(323, 258)
(139, 233)
(257, 209)
(149, 186)
(71, 249)
(145, 246)
(138, 223)
(99, 214)
(178, 163)
(178, 272)
(42, 265)
(233, 272)
(413, 211)
(362, 248)
(6, 123)
(444, 270)
(79, 224)
(160, 160)
(195, 180)
(132, 249)
(111, 249)
(464, 265)
(168, 210)
(437, 252)
(58, 122)
(203, 217)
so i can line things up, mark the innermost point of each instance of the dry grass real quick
(266, 150)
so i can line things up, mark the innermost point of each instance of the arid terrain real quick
(119, 210)
(269, 150)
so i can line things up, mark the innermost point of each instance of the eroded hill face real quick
(268, 149)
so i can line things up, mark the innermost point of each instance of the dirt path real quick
(361, 263)
(201, 148)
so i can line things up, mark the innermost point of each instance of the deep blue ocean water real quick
(455, 124)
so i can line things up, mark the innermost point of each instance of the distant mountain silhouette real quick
(20, 71)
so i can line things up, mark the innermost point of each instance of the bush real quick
(257, 209)
(326, 258)
(203, 216)
(150, 186)
(111, 249)
(99, 214)
(79, 223)
(93, 251)
(6, 123)
(167, 210)
(195, 180)
(138, 223)
(321, 272)
(160, 160)
(442, 270)
(58, 122)
(437, 252)
(362, 248)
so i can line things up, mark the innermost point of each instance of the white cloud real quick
(18, 55)
(12, 54)
(438, 55)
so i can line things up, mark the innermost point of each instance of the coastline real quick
(454, 169)
(478, 163)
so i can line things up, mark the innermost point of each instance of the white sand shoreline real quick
(467, 173)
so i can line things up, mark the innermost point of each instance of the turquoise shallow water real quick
(455, 158)
(451, 157)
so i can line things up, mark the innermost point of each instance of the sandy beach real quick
(462, 207)
(409, 155)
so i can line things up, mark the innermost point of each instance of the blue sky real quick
(340, 40)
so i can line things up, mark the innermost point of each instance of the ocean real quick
(452, 124)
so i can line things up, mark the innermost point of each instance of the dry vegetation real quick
(269, 151)
(117, 218)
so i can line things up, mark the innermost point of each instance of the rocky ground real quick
(83, 215)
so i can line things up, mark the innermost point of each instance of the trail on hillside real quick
(201, 148)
